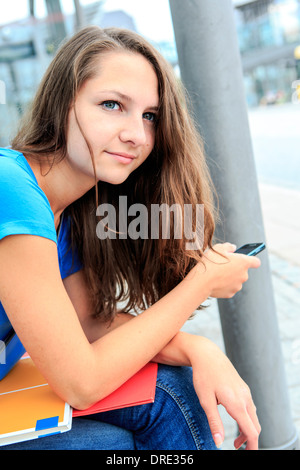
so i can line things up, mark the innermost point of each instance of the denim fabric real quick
(175, 421)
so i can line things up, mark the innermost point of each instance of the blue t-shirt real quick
(25, 209)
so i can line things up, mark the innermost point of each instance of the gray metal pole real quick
(211, 70)
(57, 24)
(79, 14)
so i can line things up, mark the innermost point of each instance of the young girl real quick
(110, 120)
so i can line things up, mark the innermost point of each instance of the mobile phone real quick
(251, 249)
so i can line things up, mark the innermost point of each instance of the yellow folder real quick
(28, 407)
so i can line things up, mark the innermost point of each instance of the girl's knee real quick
(177, 379)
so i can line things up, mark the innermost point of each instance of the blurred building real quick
(26, 49)
(268, 33)
(28, 46)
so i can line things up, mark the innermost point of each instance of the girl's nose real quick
(134, 131)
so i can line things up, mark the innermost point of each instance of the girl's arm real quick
(216, 380)
(44, 318)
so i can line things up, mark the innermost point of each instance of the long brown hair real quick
(136, 272)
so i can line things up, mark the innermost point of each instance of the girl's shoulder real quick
(24, 207)
(14, 165)
(17, 178)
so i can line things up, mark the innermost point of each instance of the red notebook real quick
(138, 390)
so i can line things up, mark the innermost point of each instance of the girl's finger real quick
(214, 420)
(248, 434)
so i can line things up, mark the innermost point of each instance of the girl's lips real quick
(122, 157)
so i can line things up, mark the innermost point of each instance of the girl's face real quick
(116, 111)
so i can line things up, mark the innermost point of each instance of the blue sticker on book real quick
(46, 423)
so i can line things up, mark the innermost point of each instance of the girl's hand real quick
(227, 271)
(216, 383)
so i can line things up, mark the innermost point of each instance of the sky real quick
(152, 17)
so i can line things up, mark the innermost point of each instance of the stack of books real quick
(29, 409)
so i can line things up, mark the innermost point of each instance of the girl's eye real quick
(111, 105)
(149, 117)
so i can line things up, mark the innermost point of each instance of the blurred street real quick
(275, 134)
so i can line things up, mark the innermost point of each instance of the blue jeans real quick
(175, 421)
